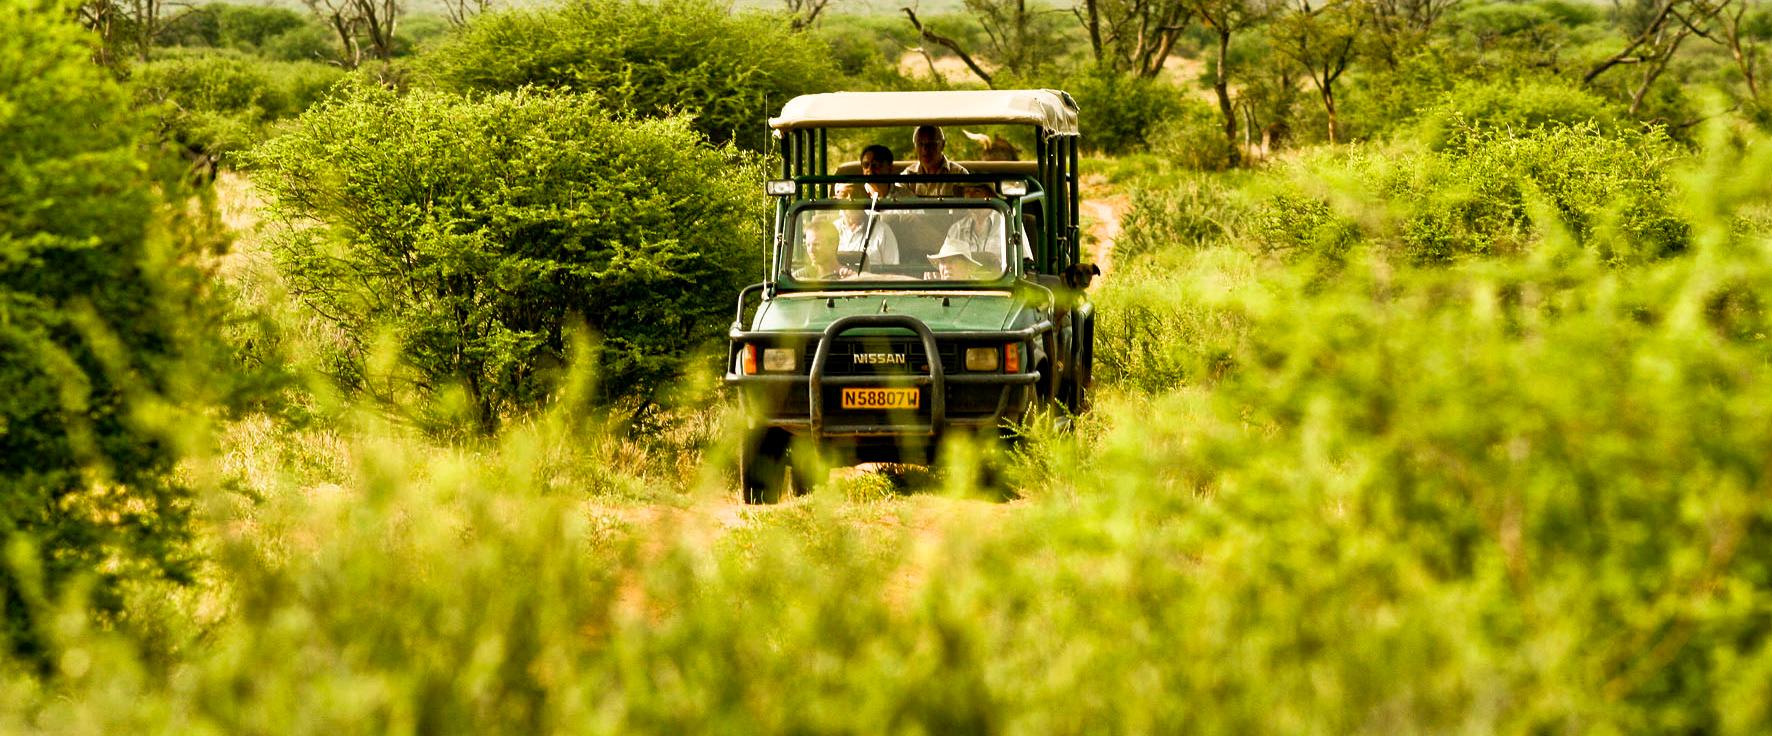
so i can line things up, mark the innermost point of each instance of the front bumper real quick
(1012, 393)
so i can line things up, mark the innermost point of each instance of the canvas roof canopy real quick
(1050, 109)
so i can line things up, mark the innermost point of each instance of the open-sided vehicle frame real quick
(882, 367)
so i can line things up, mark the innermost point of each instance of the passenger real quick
(953, 263)
(931, 147)
(876, 160)
(981, 231)
(858, 226)
(821, 262)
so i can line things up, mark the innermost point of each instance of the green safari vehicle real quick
(923, 306)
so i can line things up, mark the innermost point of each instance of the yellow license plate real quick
(881, 398)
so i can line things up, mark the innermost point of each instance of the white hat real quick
(952, 248)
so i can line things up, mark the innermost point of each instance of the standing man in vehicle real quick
(931, 146)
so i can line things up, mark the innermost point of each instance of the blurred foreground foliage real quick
(100, 342)
(1457, 435)
(1513, 492)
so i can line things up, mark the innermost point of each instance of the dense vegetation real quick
(92, 295)
(478, 232)
(1431, 359)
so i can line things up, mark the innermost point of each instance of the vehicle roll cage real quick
(805, 159)
(1011, 207)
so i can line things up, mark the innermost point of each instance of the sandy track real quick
(1103, 209)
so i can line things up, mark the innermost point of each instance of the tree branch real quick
(950, 44)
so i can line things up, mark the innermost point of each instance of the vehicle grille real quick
(843, 361)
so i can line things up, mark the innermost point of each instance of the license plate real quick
(881, 398)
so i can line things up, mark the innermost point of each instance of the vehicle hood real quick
(962, 311)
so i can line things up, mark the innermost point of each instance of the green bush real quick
(1540, 478)
(1609, 191)
(89, 339)
(272, 32)
(220, 103)
(1192, 136)
(248, 27)
(1118, 113)
(1517, 106)
(730, 71)
(307, 43)
(866, 49)
(477, 232)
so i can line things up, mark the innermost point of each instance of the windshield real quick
(860, 241)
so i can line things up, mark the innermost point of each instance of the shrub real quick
(1517, 106)
(90, 338)
(1192, 136)
(219, 103)
(307, 43)
(649, 59)
(248, 27)
(1609, 191)
(1118, 113)
(1190, 213)
(476, 232)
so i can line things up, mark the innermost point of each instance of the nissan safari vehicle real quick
(943, 304)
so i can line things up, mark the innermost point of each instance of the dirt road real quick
(1102, 210)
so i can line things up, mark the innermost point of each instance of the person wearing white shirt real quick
(931, 146)
(981, 233)
(855, 226)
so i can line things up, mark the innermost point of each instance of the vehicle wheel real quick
(764, 468)
(1082, 373)
(984, 461)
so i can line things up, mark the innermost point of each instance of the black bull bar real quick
(936, 378)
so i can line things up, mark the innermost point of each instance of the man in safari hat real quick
(955, 263)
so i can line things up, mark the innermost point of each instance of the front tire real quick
(766, 469)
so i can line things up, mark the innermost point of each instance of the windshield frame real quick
(785, 242)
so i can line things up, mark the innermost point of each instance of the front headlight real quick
(981, 359)
(778, 359)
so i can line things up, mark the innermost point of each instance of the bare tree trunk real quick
(380, 17)
(805, 12)
(1746, 55)
(1093, 23)
(1329, 110)
(147, 19)
(1221, 86)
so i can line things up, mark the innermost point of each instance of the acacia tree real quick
(1322, 40)
(1019, 38)
(1400, 26)
(803, 13)
(1654, 31)
(1226, 18)
(358, 21)
(929, 35)
(1744, 49)
(1135, 36)
(131, 23)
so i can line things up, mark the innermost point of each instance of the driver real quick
(980, 231)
